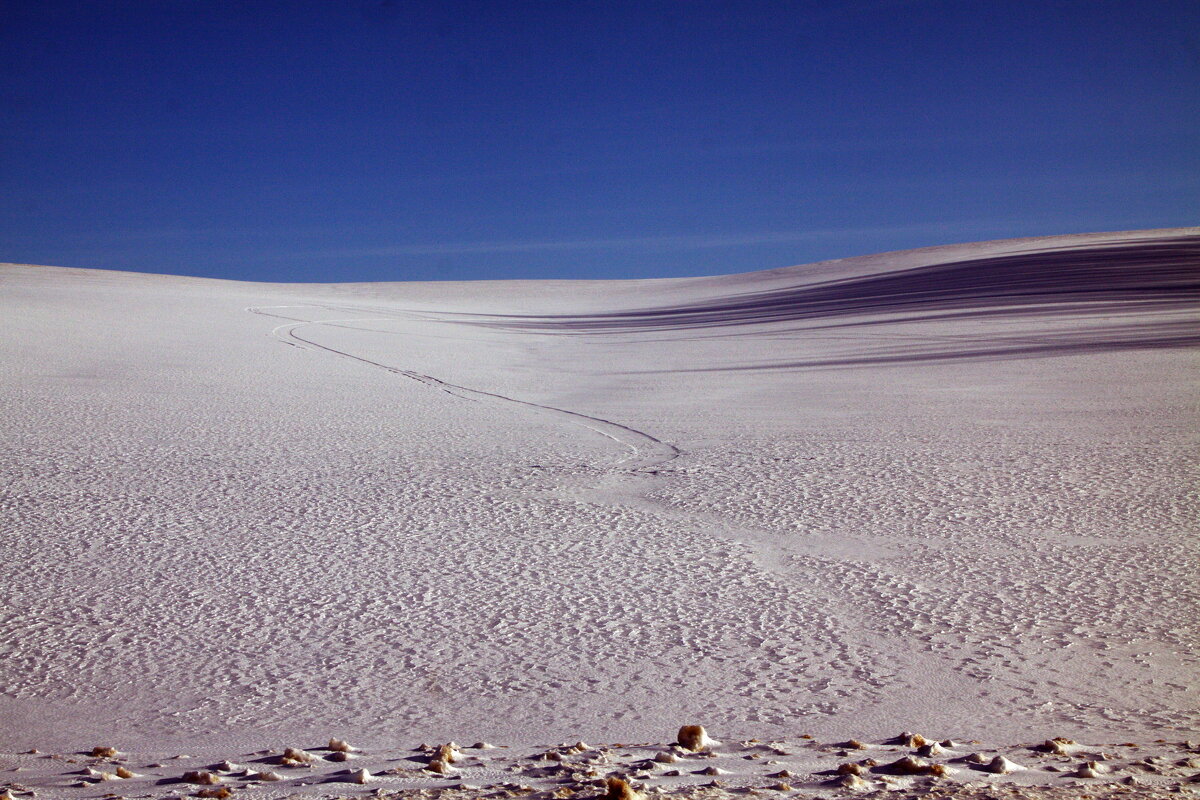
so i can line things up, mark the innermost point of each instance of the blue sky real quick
(381, 140)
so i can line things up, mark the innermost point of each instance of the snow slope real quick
(945, 489)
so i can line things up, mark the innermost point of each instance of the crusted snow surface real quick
(952, 488)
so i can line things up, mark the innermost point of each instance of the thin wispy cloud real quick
(667, 242)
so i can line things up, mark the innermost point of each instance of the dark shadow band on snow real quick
(1060, 296)
(1141, 275)
(1107, 339)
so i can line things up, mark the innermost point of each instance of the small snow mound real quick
(618, 789)
(1091, 769)
(440, 766)
(449, 752)
(1058, 746)
(913, 766)
(910, 739)
(852, 782)
(201, 777)
(295, 757)
(265, 775)
(1002, 766)
(694, 738)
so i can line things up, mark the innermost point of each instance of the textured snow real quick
(952, 488)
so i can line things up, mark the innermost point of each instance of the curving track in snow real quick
(647, 453)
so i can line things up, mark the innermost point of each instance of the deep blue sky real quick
(416, 140)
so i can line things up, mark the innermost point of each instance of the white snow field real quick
(950, 490)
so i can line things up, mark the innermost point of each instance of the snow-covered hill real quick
(945, 489)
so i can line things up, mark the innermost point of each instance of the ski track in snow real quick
(648, 452)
